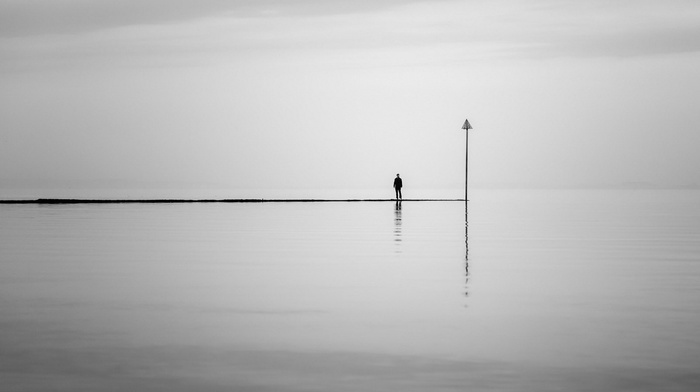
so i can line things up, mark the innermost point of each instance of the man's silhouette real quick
(397, 186)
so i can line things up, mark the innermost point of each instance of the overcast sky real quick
(344, 94)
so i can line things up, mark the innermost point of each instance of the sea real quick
(515, 290)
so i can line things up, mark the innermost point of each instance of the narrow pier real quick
(163, 201)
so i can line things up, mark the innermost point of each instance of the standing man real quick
(397, 186)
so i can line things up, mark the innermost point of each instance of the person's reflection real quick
(397, 224)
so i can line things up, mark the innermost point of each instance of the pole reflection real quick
(466, 252)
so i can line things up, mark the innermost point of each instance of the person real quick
(398, 184)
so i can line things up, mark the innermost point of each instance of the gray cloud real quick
(33, 17)
(674, 39)
(594, 28)
(621, 29)
(69, 33)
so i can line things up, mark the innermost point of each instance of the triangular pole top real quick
(467, 125)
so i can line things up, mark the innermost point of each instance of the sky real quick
(313, 94)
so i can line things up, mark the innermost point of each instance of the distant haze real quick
(336, 94)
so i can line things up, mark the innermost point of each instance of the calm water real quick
(562, 290)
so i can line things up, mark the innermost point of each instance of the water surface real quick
(562, 290)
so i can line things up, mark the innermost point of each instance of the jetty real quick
(173, 201)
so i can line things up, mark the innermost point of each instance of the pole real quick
(466, 166)
(466, 209)
(466, 128)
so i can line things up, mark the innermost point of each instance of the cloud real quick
(36, 17)
(39, 17)
(40, 34)
(617, 28)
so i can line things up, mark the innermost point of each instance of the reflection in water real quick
(466, 244)
(466, 233)
(397, 224)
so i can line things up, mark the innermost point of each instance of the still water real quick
(542, 291)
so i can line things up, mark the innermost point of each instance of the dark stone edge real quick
(173, 201)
